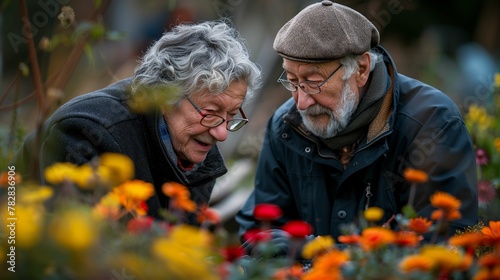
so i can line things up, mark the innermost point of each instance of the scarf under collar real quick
(368, 108)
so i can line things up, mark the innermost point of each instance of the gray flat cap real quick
(325, 31)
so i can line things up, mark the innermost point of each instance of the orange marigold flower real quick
(448, 215)
(207, 214)
(492, 231)
(349, 239)
(445, 201)
(6, 179)
(179, 195)
(333, 274)
(407, 239)
(467, 240)
(293, 272)
(489, 260)
(453, 215)
(174, 189)
(419, 225)
(330, 261)
(415, 262)
(108, 207)
(376, 237)
(327, 266)
(436, 215)
(185, 204)
(466, 262)
(415, 175)
(487, 274)
(133, 194)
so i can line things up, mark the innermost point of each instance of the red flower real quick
(233, 253)
(140, 224)
(267, 212)
(256, 235)
(297, 229)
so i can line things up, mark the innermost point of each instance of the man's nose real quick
(303, 100)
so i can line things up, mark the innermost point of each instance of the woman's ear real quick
(363, 69)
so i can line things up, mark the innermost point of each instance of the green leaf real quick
(409, 212)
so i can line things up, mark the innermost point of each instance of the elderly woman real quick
(198, 76)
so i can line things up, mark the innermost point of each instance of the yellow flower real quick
(88, 177)
(58, 172)
(185, 253)
(443, 258)
(496, 143)
(120, 167)
(374, 214)
(317, 246)
(30, 194)
(137, 190)
(497, 79)
(29, 224)
(137, 266)
(478, 116)
(74, 229)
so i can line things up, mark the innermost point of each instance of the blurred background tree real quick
(452, 45)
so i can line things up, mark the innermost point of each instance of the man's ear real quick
(363, 69)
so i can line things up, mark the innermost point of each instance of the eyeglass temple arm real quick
(195, 107)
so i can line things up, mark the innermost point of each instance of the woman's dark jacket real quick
(305, 178)
(99, 122)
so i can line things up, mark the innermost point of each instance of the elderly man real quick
(341, 143)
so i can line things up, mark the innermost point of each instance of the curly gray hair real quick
(197, 57)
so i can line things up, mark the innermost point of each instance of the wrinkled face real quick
(327, 113)
(191, 140)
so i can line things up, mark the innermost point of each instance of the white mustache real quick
(316, 109)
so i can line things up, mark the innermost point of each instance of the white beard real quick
(338, 118)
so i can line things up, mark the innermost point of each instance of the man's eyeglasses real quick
(306, 86)
(211, 120)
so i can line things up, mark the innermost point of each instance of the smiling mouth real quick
(204, 144)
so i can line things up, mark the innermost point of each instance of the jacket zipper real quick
(368, 195)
